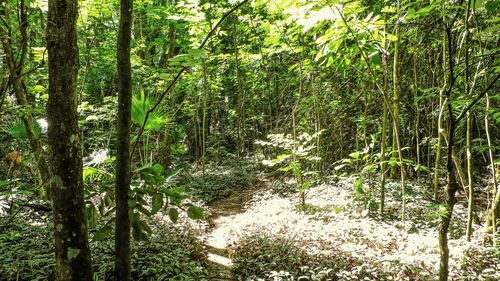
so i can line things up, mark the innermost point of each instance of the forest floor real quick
(217, 237)
(334, 224)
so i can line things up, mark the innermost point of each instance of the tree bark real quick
(70, 227)
(123, 175)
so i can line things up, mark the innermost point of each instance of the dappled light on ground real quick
(335, 224)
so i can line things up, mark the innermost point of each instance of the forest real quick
(249, 140)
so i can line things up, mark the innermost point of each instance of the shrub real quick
(257, 256)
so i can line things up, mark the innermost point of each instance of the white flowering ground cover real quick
(336, 224)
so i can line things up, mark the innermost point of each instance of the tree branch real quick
(477, 99)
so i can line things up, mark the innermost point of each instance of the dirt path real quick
(219, 253)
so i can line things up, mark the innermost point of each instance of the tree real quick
(16, 67)
(123, 175)
(73, 260)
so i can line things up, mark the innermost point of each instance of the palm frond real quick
(17, 129)
(141, 103)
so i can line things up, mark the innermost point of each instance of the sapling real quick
(296, 159)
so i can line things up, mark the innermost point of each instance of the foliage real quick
(219, 183)
(258, 255)
(168, 254)
(18, 130)
(141, 104)
(297, 158)
(27, 250)
(281, 66)
(270, 258)
(153, 191)
(27, 254)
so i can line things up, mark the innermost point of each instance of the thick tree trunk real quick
(70, 227)
(123, 176)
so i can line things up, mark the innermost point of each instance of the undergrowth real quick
(219, 183)
(169, 254)
(260, 257)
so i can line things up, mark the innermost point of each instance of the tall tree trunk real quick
(70, 226)
(384, 121)
(470, 211)
(451, 185)
(450, 200)
(495, 208)
(123, 174)
(206, 96)
(396, 141)
(438, 147)
(396, 95)
(240, 104)
(417, 115)
(440, 118)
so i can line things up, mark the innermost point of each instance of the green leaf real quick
(5, 182)
(89, 173)
(492, 5)
(355, 155)
(145, 227)
(157, 202)
(196, 213)
(17, 129)
(143, 210)
(173, 214)
(132, 202)
(141, 104)
(358, 188)
(103, 233)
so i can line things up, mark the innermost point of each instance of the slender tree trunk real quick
(396, 94)
(206, 95)
(17, 81)
(396, 141)
(384, 122)
(450, 200)
(440, 123)
(495, 208)
(240, 94)
(470, 211)
(417, 115)
(451, 185)
(123, 174)
(70, 226)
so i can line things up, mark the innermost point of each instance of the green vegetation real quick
(140, 137)
(28, 254)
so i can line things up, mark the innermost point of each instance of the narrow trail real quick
(219, 252)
